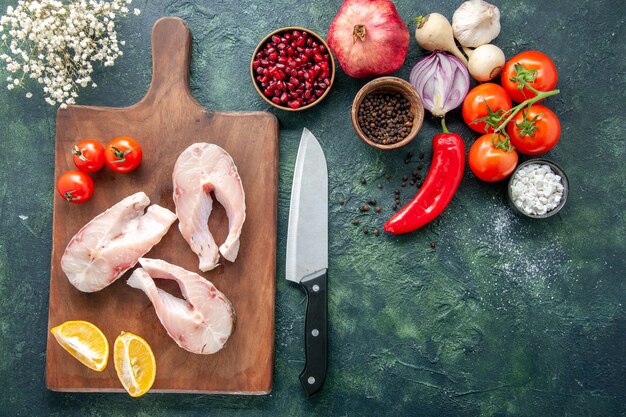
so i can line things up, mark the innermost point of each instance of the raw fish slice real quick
(200, 169)
(113, 241)
(202, 322)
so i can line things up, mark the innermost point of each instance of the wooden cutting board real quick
(165, 122)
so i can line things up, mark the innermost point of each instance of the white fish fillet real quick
(200, 169)
(113, 241)
(202, 322)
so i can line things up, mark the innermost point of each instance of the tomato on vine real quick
(528, 73)
(123, 154)
(483, 103)
(534, 130)
(75, 186)
(88, 155)
(491, 158)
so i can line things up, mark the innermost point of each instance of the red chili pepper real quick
(442, 181)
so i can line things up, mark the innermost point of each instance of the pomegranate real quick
(293, 69)
(369, 38)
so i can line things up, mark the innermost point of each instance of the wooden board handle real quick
(171, 55)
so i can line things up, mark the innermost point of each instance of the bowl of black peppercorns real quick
(387, 113)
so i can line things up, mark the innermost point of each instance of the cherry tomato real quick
(88, 155)
(490, 163)
(75, 186)
(477, 100)
(534, 131)
(532, 67)
(123, 154)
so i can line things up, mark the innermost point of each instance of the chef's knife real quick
(307, 253)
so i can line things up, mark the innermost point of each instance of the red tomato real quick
(75, 186)
(534, 131)
(88, 155)
(535, 69)
(490, 163)
(123, 154)
(476, 101)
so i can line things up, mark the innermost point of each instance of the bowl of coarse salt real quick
(538, 188)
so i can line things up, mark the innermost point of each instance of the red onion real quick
(442, 82)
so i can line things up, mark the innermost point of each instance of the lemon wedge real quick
(134, 363)
(84, 341)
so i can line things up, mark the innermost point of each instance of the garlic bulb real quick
(476, 23)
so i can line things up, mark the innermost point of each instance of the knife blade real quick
(307, 253)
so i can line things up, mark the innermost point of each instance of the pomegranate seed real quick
(308, 85)
(280, 85)
(299, 49)
(309, 41)
(305, 35)
(319, 92)
(281, 46)
(256, 63)
(270, 50)
(268, 92)
(291, 51)
(276, 100)
(277, 92)
(268, 45)
(287, 36)
(311, 100)
(260, 55)
(307, 94)
(273, 56)
(279, 75)
(300, 74)
(294, 44)
(301, 41)
(296, 33)
(294, 81)
(259, 78)
(305, 75)
(318, 58)
(322, 48)
(280, 66)
(322, 86)
(282, 60)
(276, 39)
(294, 104)
(312, 73)
(326, 81)
(308, 52)
(284, 97)
(314, 44)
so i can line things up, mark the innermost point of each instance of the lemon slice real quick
(84, 341)
(134, 363)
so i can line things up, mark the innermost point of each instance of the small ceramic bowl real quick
(265, 40)
(389, 85)
(558, 171)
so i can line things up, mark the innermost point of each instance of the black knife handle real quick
(316, 333)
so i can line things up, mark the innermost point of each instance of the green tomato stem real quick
(541, 95)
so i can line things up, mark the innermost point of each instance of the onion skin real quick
(369, 38)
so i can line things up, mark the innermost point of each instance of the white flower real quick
(136, 12)
(56, 42)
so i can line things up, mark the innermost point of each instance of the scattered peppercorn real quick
(409, 155)
(387, 176)
(377, 209)
(411, 182)
(433, 245)
(420, 166)
(363, 181)
(372, 202)
(342, 201)
(415, 173)
(405, 177)
(366, 230)
(356, 222)
(397, 191)
(395, 207)
(385, 118)
(376, 232)
(364, 208)
(404, 183)
(380, 186)
(422, 155)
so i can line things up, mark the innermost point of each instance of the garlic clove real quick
(476, 23)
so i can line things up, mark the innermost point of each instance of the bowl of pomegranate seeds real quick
(292, 68)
